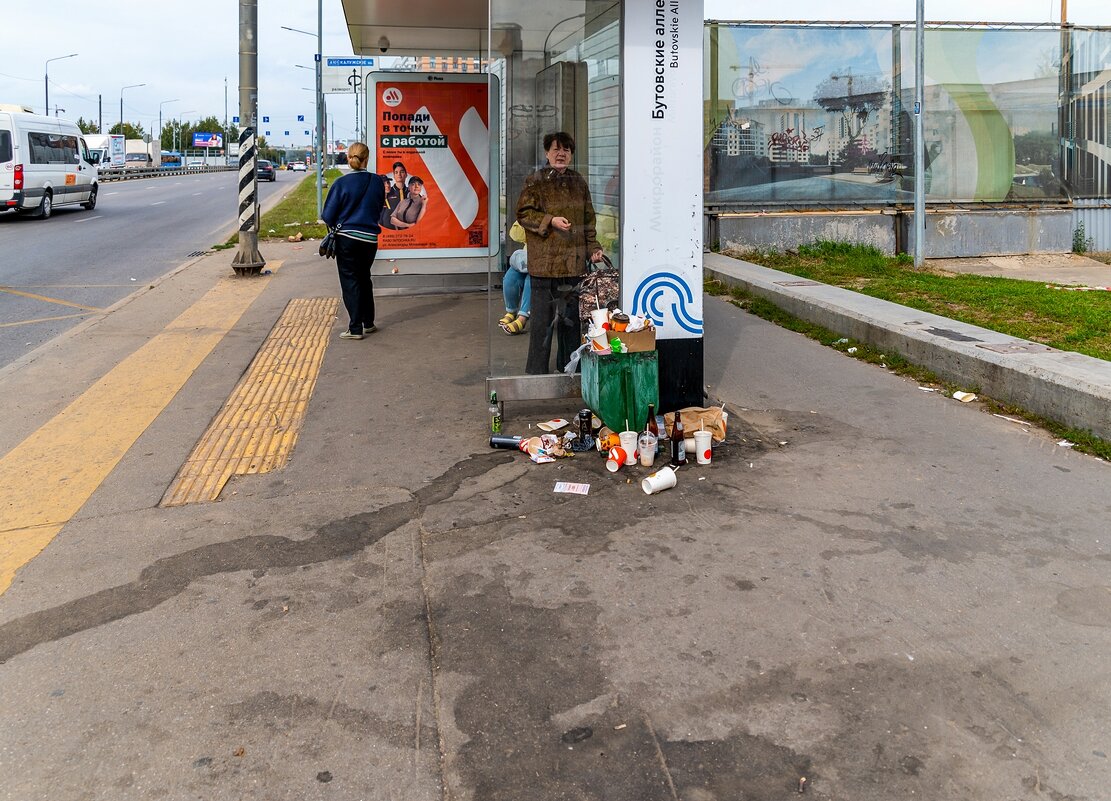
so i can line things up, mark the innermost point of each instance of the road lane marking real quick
(45, 299)
(158, 203)
(45, 319)
(197, 193)
(49, 476)
(256, 430)
(89, 219)
(111, 193)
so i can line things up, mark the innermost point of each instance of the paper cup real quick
(702, 446)
(647, 447)
(629, 444)
(662, 479)
(599, 316)
(615, 459)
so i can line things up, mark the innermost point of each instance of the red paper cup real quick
(616, 458)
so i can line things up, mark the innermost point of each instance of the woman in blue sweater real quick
(354, 204)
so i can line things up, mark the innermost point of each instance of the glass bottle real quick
(495, 414)
(678, 446)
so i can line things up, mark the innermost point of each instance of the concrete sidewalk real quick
(873, 588)
(1067, 387)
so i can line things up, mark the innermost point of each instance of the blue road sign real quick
(287, 133)
(266, 133)
(300, 118)
(306, 133)
(351, 61)
(235, 119)
(266, 119)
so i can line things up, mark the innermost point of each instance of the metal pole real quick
(319, 108)
(919, 136)
(100, 113)
(248, 261)
(46, 83)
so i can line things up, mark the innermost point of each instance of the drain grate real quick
(196, 253)
(946, 333)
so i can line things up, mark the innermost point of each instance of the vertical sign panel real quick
(661, 219)
(436, 128)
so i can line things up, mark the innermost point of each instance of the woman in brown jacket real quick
(558, 217)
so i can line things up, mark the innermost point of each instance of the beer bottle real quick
(495, 414)
(651, 427)
(678, 446)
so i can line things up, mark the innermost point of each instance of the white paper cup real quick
(599, 316)
(703, 442)
(647, 447)
(629, 444)
(615, 459)
(662, 479)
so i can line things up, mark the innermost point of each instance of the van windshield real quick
(5, 146)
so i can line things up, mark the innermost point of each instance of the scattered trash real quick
(394, 271)
(553, 425)
(267, 272)
(272, 231)
(240, 751)
(802, 785)
(577, 735)
(297, 237)
(841, 341)
(965, 397)
(620, 726)
(662, 479)
(929, 389)
(1011, 419)
(702, 478)
(574, 489)
(1081, 288)
(851, 350)
(134, 279)
(1066, 444)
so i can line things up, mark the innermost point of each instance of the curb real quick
(1070, 388)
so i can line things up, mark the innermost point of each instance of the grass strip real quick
(1074, 321)
(1083, 441)
(296, 212)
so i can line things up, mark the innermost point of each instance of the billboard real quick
(430, 134)
(201, 139)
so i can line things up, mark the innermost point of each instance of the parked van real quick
(44, 162)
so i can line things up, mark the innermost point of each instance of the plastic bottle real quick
(495, 414)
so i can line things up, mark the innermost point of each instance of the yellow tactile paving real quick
(258, 426)
(48, 477)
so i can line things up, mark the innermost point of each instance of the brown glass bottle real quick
(678, 446)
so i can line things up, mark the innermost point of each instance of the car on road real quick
(265, 171)
(298, 166)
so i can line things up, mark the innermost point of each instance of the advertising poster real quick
(432, 147)
(661, 221)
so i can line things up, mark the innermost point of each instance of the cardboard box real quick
(639, 341)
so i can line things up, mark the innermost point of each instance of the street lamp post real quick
(46, 79)
(319, 101)
(132, 86)
(160, 105)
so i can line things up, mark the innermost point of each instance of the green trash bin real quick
(619, 386)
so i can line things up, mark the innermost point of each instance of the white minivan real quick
(44, 163)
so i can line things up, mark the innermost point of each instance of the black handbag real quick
(328, 244)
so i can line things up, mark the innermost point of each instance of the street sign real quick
(235, 120)
(307, 133)
(300, 118)
(338, 80)
(350, 61)
(265, 133)
(287, 133)
(266, 119)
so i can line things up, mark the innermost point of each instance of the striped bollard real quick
(248, 261)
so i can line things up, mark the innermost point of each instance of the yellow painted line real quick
(56, 301)
(256, 430)
(45, 319)
(48, 477)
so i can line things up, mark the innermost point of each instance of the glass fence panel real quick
(801, 115)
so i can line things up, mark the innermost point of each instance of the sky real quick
(184, 58)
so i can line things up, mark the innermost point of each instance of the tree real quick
(854, 97)
(185, 131)
(87, 126)
(1037, 147)
(130, 130)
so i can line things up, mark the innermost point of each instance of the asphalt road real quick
(55, 273)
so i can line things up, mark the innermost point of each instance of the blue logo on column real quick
(668, 288)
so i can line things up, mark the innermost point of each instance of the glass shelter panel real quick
(557, 64)
(824, 115)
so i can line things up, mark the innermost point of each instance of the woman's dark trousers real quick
(353, 260)
(555, 316)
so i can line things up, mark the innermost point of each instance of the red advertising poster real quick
(432, 147)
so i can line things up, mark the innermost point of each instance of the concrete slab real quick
(1050, 268)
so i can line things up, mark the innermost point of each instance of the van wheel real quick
(46, 208)
(90, 204)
